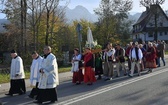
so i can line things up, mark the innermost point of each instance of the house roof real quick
(146, 15)
(142, 17)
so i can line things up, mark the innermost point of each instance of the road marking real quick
(103, 90)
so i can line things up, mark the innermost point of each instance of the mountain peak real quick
(81, 8)
(80, 12)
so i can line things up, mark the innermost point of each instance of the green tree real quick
(111, 14)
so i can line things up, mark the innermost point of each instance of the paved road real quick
(148, 89)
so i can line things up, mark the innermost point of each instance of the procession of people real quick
(86, 67)
(139, 57)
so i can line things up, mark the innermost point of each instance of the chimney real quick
(147, 9)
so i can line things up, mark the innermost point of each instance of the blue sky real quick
(92, 4)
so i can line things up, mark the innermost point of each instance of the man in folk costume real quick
(155, 47)
(108, 62)
(48, 80)
(120, 60)
(161, 53)
(135, 57)
(17, 75)
(127, 54)
(34, 76)
(76, 67)
(142, 66)
(89, 73)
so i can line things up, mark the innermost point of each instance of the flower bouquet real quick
(96, 49)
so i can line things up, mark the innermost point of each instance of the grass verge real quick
(4, 78)
(166, 52)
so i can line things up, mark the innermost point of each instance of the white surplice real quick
(34, 70)
(49, 79)
(17, 68)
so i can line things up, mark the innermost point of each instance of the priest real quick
(34, 76)
(48, 78)
(17, 75)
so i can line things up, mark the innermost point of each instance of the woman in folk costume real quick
(108, 58)
(76, 67)
(98, 65)
(48, 78)
(34, 76)
(89, 74)
(17, 75)
(150, 57)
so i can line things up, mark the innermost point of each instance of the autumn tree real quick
(36, 23)
(111, 14)
(155, 12)
(36, 8)
(16, 11)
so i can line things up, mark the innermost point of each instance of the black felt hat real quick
(76, 49)
(13, 51)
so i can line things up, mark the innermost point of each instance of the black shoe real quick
(125, 74)
(130, 75)
(21, 93)
(8, 94)
(149, 71)
(99, 78)
(139, 74)
(90, 84)
(30, 96)
(107, 79)
(117, 76)
(78, 83)
(52, 101)
(37, 102)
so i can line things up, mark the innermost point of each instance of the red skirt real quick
(89, 75)
(77, 76)
(151, 64)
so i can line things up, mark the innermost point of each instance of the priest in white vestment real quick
(35, 73)
(48, 78)
(17, 75)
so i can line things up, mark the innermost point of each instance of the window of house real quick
(151, 24)
(161, 24)
(150, 34)
(161, 33)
